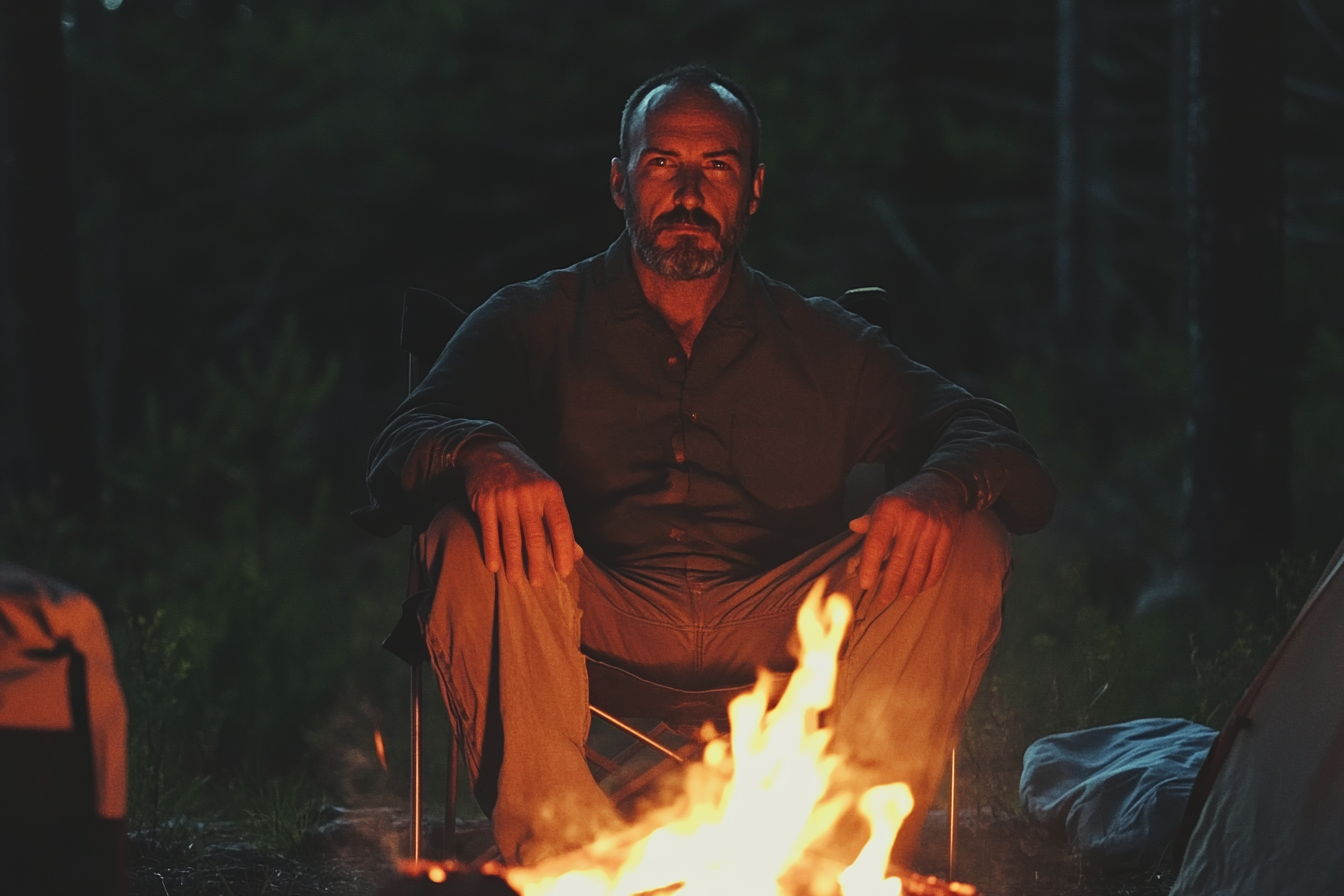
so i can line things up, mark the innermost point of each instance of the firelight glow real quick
(749, 813)
(379, 749)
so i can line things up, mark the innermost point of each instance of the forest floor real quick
(1001, 854)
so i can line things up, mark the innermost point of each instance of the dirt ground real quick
(1001, 855)
(1006, 855)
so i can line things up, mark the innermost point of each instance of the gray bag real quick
(1118, 791)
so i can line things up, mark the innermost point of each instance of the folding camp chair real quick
(428, 322)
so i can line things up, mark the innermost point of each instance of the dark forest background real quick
(1123, 219)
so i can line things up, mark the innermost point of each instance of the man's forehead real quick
(710, 98)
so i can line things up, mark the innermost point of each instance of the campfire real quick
(754, 811)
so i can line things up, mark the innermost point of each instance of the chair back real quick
(428, 321)
(872, 304)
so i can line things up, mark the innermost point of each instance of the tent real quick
(1266, 815)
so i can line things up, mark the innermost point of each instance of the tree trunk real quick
(1239, 505)
(1068, 165)
(43, 267)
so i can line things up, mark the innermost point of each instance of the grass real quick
(1114, 666)
(281, 814)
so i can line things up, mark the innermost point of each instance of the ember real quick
(437, 879)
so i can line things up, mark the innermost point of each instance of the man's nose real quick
(690, 183)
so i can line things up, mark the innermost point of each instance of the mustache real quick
(680, 215)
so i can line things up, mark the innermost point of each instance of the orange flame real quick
(751, 811)
(379, 749)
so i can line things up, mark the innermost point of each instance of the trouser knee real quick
(454, 567)
(981, 554)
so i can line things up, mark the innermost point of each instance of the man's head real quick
(688, 175)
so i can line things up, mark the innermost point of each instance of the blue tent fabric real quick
(1118, 791)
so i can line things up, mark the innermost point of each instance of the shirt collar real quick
(627, 298)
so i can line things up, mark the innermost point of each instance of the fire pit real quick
(437, 879)
(449, 879)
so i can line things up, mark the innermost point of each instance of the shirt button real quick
(680, 456)
(672, 361)
(694, 416)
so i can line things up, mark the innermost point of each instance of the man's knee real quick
(978, 572)
(979, 565)
(452, 536)
(983, 538)
(453, 565)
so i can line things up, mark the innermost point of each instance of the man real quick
(641, 458)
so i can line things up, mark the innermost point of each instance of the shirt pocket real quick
(787, 461)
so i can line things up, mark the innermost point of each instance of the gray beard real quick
(683, 260)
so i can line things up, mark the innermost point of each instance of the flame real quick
(749, 813)
(379, 748)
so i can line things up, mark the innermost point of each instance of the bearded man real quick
(641, 459)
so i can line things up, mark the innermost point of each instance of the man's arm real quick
(908, 534)
(455, 434)
(956, 454)
(476, 391)
(520, 508)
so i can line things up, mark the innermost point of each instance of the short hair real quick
(700, 77)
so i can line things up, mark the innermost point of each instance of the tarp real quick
(1118, 792)
(1268, 809)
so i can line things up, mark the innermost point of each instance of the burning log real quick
(448, 879)
(918, 885)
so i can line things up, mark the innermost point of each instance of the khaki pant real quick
(510, 662)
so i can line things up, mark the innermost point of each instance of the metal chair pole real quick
(450, 800)
(952, 822)
(636, 734)
(416, 674)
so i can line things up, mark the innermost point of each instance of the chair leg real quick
(450, 801)
(952, 821)
(417, 671)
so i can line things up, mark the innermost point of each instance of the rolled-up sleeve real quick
(913, 418)
(474, 390)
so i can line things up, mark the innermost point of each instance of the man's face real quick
(686, 189)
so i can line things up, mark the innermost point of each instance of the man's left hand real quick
(910, 529)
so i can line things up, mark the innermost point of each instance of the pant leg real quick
(907, 672)
(508, 663)
(911, 669)
(507, 658)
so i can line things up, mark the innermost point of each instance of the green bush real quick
(241, 600)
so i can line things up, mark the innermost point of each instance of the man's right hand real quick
(519, 506)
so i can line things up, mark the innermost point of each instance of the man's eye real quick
(658, 162)
(718, 164)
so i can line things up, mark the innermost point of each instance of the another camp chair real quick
(428, 322)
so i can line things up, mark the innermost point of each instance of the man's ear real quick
(618, 183)
(757, 186)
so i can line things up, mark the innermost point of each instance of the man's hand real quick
(911, 528)
(519, 506)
